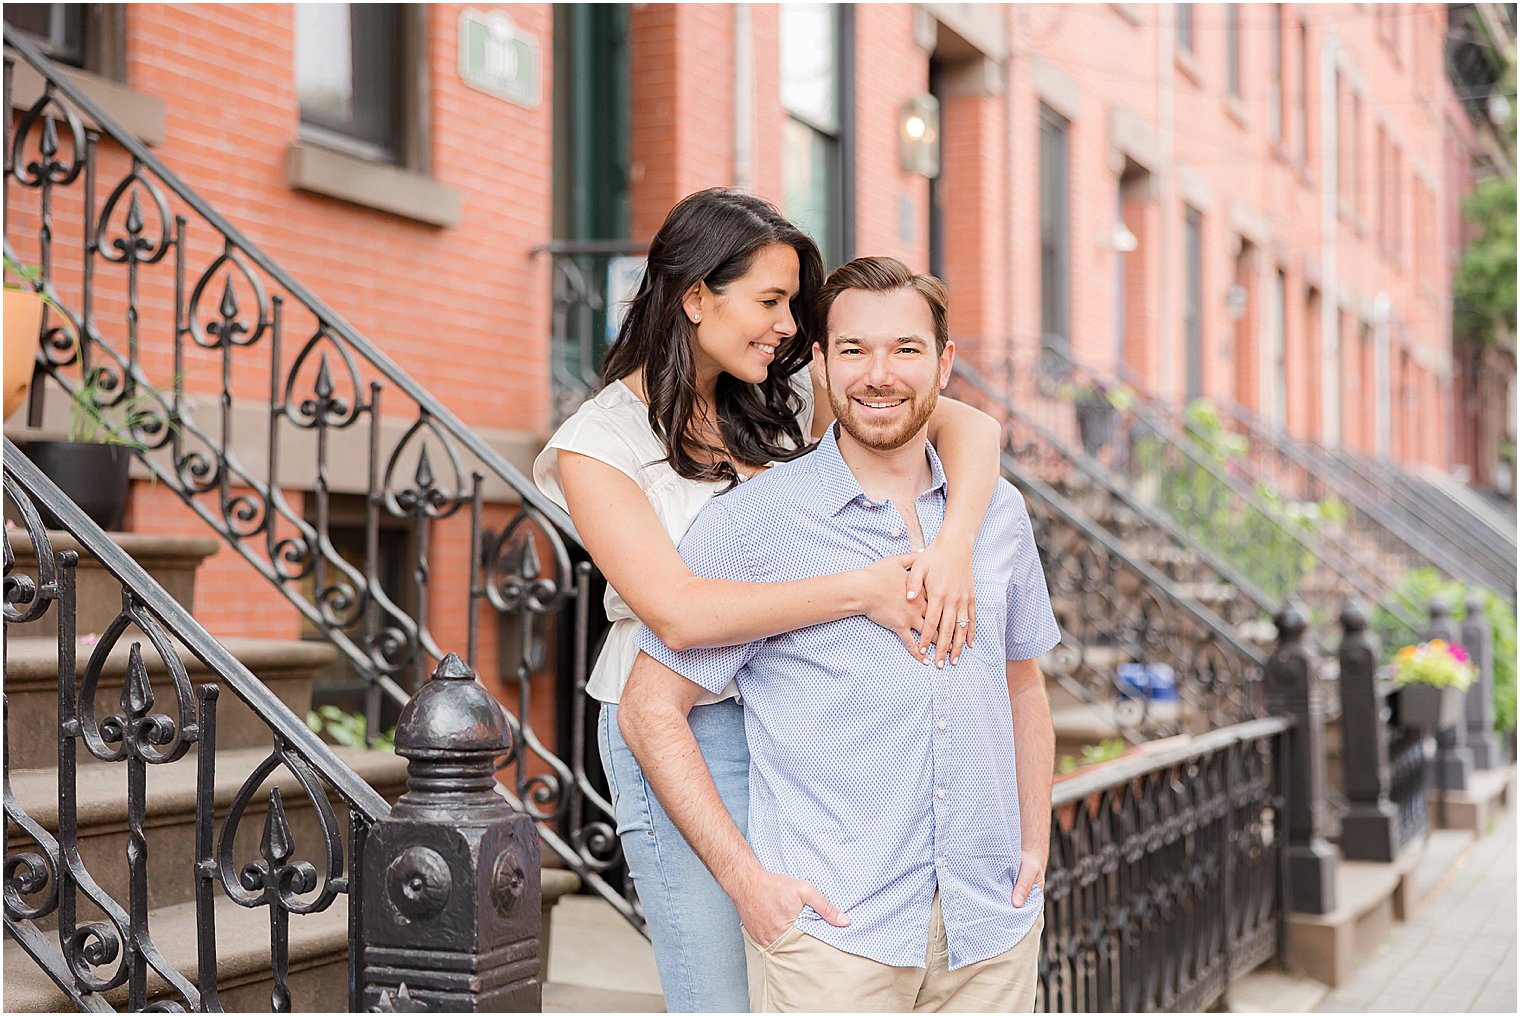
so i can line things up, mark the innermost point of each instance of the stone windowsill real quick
(392, 189)
(140, 114)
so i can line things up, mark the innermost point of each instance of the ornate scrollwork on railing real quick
(1161, 886)
(100, 950)
(187, 288)
(1409, 783)
(1115, 609)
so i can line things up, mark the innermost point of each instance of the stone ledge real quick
(385, 188)
(1488, 792)
(1327, 947)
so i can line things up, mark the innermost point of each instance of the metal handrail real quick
(531, 578)
(1156, 415)
(139, 151)
(1415, 542)
(1081, 784)
(178, 622)
(1097, 474)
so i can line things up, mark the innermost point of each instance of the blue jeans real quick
(692, 923)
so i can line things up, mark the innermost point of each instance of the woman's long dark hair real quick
(712, 236)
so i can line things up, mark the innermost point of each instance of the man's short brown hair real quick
(886, 275)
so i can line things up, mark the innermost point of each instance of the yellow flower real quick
(1405, 654)
(1437, 643)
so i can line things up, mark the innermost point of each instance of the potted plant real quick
(1432, 680)
(23, 324)
(1098, 405)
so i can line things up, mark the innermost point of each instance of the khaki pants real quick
(798, 973)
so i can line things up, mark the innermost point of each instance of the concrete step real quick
(287, 667)
(318, 961)
(170, 822)
(171, 560)
(1477, 808)
(1327, 947)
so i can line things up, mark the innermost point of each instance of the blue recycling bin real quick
(1156, 682)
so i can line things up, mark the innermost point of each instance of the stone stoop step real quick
(1477, 808)
(170, 823)
(1327, 947)
(318, 961)
(287, 667)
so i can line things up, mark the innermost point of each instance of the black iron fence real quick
(589, 282)
(301, 840)
(1164, 881)
(1135, 644)
(74, 912)
(150, 287)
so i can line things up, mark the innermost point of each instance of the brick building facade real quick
(1254, 203)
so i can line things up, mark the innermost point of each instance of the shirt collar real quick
(837, 485)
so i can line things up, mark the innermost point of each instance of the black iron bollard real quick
(1370, 828)
(1293, 689)
(1452, 766)
(1478, 640)
(451, 877)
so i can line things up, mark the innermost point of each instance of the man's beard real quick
(883, 436)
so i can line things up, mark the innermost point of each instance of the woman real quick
(705, 386)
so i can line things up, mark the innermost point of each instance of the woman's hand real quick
(885, 594)
(941, 578)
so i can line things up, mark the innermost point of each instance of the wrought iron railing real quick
(95, 946)
(589, 280)
(1481, 542)
(192, 292)
(1409, 783)
(1114, 607)
(1164, 880)
(1285, 557)
(1374, 519)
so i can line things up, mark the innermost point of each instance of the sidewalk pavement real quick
(1457, 953)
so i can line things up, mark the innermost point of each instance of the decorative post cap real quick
(1291, 623)
(451, 713)
(1474, 603)
(1354, 617)
(1439, 608)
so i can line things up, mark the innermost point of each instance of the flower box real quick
(1426, 707)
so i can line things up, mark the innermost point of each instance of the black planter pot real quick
(93, 476)
(1095, 423)
(1427, 707)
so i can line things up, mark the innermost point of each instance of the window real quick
(812, 177)
(1193, 308)
(1185, 27)
(1274, 79)
(1232, 48)
(1054, 228)
(87, 36)
(1358, 198)
(58, 29)
(349, 75)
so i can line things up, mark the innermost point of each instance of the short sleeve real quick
(590, 433)
(1031, 628)
(713, 548)
(802, 383)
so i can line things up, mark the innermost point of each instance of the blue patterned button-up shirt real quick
(873, 776)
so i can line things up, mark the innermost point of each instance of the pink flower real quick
(1458, 653)
(89, 640)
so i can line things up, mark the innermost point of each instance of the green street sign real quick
(496, 58)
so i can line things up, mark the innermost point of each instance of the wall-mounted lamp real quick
(918, 136)
(1124, 241)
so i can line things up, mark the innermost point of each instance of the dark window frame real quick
(838, 246)
(408, 146)
(1192, 306)
(1184, 17)
(101, 42)
(1232, 51)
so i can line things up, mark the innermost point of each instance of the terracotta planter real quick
(23, 322)
(1426, 707)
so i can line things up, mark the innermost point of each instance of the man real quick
(899, 816)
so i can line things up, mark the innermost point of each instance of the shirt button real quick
(896, 532)
(941, 724)
(939, 792)
(939, 862)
